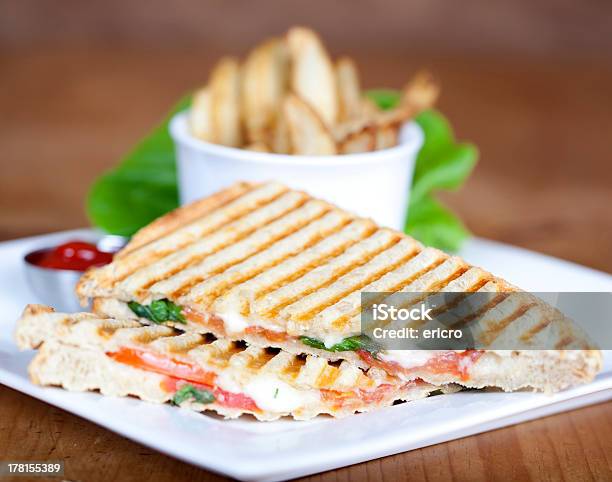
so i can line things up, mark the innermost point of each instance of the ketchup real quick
(74, 256)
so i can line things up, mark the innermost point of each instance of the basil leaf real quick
(159, 311)
(314, 343)
(352, 343)
(174, 313)
(188, 391)
(140, 310)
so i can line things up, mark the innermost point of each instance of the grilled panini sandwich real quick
(274, 267)
(159, 364)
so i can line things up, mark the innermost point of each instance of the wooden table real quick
(544, 182)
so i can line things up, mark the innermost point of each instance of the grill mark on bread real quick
(223, 286)
(259, 359)
(493, 332)
(179, 344)
(364, 282)
(183, 216)
(536, 329)
(496, 300)
(143, 256)
(441, 284)
(481, 282)
(186, 288)
(108, 329)
(565, 342)
(341, 322)
(423, 287)
(293, 369)
(198, 258)
(183, 260)
(328, 376)
(334, 276)
(289, 278)
(391, 289)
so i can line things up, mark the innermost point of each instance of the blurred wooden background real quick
(530, 82)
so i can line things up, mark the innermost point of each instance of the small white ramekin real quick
(372, 184)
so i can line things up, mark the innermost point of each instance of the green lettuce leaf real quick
(434, 225)
(442, 163)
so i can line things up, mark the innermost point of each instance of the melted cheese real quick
(274, 395)
(409, 358)
(331, 339)
(236, 323)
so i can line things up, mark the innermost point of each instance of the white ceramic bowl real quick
(373, 184)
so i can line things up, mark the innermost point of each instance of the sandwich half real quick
(275, 267)
(159, 364)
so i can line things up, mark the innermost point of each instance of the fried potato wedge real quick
(312, 73)
(368, 109)
(387, 136)
(289, 97)
(307, 132)
(200, 121)
(280, 141)
(225, 103)
(362, 141)
(366, 115)
(264, 83)
(349, 91)
(421, 92)
(258, 147)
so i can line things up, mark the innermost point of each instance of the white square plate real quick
(250, 450)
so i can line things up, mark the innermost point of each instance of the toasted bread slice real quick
(274, 266)
(158, 364)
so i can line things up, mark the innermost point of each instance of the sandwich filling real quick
(122, 357)
(402, 363)
(184, 379)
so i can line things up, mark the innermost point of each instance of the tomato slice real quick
(162, 364)
(343, 399)
(267, 334)
(214, 322)
(235, 400)
(451, 362)
(458, 364)
(179, 373)
(222, 397)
